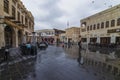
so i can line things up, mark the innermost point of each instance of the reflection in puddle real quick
(105, 59)
(18, 71)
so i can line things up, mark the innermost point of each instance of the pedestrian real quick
(80, 58)
(6, 53)
(62, 44)
(33, 48)
(79, 44)
(69, 44)
(28, 46)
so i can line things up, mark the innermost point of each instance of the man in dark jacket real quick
(79, 44)
(79, 54)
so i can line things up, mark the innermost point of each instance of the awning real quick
(12, 24)
(28, 30)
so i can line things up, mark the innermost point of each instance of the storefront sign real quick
(113, 31)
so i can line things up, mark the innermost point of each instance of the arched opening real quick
(8, 36)
(19, 37)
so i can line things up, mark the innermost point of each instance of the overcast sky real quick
(51, 14)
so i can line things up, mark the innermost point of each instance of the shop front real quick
(84, 39)
(9, 36)
(93, 40)
(49, 40)
(117, 40)
(12, 33)
(105, 40)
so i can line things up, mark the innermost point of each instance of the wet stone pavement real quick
(50, 64)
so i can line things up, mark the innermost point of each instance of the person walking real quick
(79, 54)
(80, 58)
(28, 46)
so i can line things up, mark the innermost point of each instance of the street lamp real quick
(34, 44)
(33, 37)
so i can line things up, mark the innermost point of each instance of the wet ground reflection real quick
(106, 60)
(54, 64)
(18, 71)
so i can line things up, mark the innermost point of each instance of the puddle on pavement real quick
(18, 71)
(105, 59)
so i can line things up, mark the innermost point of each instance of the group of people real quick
(29, 48)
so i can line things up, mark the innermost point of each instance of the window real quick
(88, 28)
(91, 27)
(94, 27)
(13, 12)
(29, 25)
(26, 21)
(98, 26)
(112, 23)
(14, 1)
(118, 22)
(22, 18)
(18, 16)
(102, 25)
(107, 24)
(6, 6)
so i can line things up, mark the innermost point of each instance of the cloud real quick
(56, 13)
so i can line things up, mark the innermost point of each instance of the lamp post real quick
(33, 37)
(34, 44)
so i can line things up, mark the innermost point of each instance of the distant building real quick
(57, 35)
(73, 34)
(49, 35)
(103, 27)
(16, 23)
(46, 35)
(63, 37)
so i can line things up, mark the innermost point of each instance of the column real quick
(113, 39)
(88, 40)
(98, 39)
(16, 32)
(2, 39)
(15, 37)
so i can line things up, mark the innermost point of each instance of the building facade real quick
(73, 34)
(49, 35)
(103, 27)
(63, 37)
(46, 35)
(16, 23)
(58, 32)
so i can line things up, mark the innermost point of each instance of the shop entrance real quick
(105, 40)
(117, 40)
(8, 36)
(93, 40)
(19, 37)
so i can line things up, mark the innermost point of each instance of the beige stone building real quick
(73, 34)
(16, 23)
(103, 27)
(45, 34)
(50, 35)
(63, 37)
